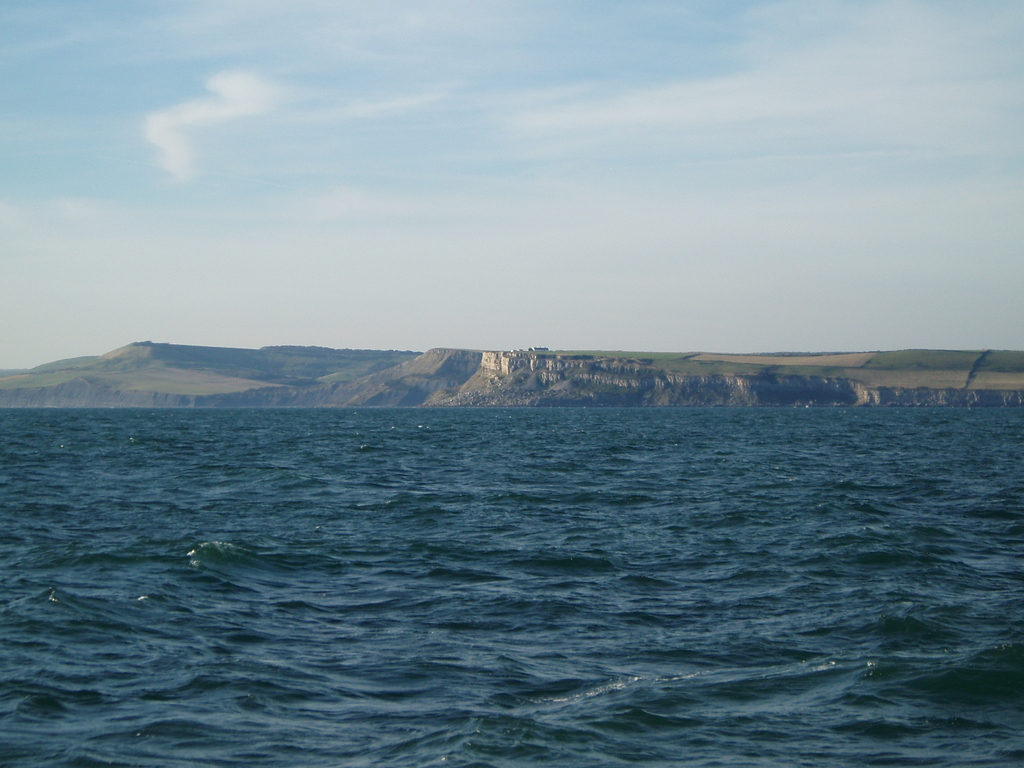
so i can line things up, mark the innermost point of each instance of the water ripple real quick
(511, 587)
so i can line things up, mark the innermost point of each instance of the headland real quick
(159, 375)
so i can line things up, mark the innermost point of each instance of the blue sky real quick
(671, 176)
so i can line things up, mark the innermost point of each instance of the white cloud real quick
(901, 76)
(325, 106)
(238, 94)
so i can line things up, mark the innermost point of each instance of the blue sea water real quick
(570, 587)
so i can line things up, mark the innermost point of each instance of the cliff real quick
(162, 375)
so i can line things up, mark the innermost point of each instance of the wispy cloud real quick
(331, 108)
(236, 94)
(367, 109)
(891, 76)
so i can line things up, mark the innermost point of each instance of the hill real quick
(146, 374)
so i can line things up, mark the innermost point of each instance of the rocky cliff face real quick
(456, 377)
(960, 398)
(80, 393)
(517, 380)
(530, 379)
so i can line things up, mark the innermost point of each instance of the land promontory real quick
(155, 375)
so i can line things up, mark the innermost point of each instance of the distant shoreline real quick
(158, 375)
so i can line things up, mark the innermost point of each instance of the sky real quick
(720, 175)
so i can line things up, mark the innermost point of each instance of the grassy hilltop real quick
(155, 375)
(178, 369)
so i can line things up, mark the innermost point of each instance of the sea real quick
(512, 587)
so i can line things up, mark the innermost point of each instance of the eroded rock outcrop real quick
(530, 379)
